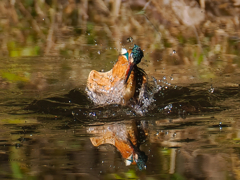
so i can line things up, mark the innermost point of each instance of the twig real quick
(160, 35)
(198, 40)
(144, 8)
(146, 5)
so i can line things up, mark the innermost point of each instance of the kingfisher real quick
(125, 136)
(123, 82)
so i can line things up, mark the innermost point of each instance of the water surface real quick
(49, 126)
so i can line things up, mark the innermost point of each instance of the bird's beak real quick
(129, 70)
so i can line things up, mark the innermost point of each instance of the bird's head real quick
(134, 57)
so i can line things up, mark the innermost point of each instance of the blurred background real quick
(201, 31)
(185, 32)
(191, 53)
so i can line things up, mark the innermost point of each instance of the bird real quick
(125, 136)
(123, 82)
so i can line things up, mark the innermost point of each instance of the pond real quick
(51, 130)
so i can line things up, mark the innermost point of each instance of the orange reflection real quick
(126, 136)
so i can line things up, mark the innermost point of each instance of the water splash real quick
(143, 98)
(146, 99)
(111, 98)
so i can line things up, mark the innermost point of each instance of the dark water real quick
(51, 130)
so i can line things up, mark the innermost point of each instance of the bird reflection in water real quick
(126, 137)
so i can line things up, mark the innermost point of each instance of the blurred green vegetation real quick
(69, 27)
(202, 33)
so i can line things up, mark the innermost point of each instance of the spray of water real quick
(145, 101)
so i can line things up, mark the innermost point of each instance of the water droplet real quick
(130, 39)
(92, 114)
(211, 90)
(43, 19)
(99, 52)
(164, 77)
(17, 145)
(174, 134)
(171, 78)
(174, 52)
(154, 80)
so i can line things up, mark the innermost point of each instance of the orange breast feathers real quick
(119, 84)
(113, 81)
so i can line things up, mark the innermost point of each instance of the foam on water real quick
(146, 96)
(110, 98)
